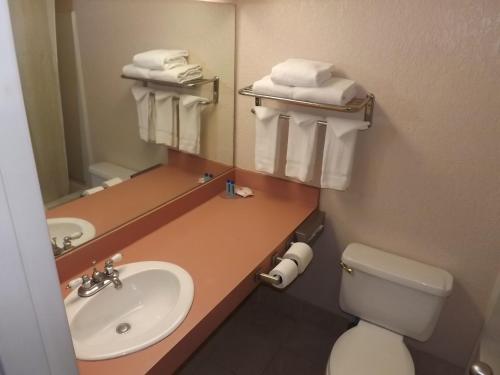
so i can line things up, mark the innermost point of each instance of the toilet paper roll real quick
(287, 270)
(301, 253)
(112, 182)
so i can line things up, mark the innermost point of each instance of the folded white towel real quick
(266, 86)
(338, 152)
(336, 91)
(266, 139)
(164, 118)
(144, 101)
(302, 140)
(190, 108)
(301, 72)
(179, 74)
(131, 70)
(174, 63)
(156, 59)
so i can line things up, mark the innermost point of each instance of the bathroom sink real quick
(154, 300)
(67, 226)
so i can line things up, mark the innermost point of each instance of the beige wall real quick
(112, 31)
(34, 33)
(426, 180)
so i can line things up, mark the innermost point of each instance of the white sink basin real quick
(153, 301)
(66, 226)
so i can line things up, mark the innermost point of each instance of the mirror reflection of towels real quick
(190, 108)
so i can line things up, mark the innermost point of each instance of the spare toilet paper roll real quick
(301, 253)
(287, 270)
(112, 182)
(92, 191)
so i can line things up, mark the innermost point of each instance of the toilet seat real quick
(369, 349)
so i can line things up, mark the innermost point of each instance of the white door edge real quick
(34, 331)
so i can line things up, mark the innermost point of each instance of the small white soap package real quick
(243, 191)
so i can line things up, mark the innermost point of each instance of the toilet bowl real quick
(369, 349)
(393, 297)
(103, 171)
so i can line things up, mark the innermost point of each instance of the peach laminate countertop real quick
(220, 243)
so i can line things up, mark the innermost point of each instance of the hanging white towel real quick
(302, 140)
(266, 86)
(338, 152)
(143, 100)
(136, 72)
(179, 74)
(164, 118)
(301, 72)
(190, 108)
(266, 139)
(156, 59)
(336, 91)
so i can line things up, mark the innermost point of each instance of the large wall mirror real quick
(97, 168)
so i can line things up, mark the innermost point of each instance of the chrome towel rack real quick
(355, 105)
(187, 85)
(320, 122)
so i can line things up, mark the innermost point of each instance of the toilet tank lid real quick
(397, 269)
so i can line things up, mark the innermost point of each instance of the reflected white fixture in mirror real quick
(69, 232)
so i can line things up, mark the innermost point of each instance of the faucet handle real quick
(114, 259)
(75, 283)
(108, 265)
(75, 236)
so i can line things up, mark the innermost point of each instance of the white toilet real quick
(103, 171)
(393, 297)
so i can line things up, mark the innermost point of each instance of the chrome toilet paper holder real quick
(307, 232)
(267, 278)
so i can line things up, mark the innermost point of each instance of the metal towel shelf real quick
(186, 85)
(320, 123)
(355, 105)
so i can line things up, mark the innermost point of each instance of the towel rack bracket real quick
(216, 92)
(369, 107)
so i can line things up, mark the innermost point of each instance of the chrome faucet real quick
(88, 286)
(66, 245)
(480, 368)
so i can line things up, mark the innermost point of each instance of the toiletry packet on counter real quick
(244, 192)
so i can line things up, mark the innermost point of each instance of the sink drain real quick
(123, 328)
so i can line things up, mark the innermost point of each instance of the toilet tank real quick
(393, 292)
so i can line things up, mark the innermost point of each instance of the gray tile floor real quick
(272, 333)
